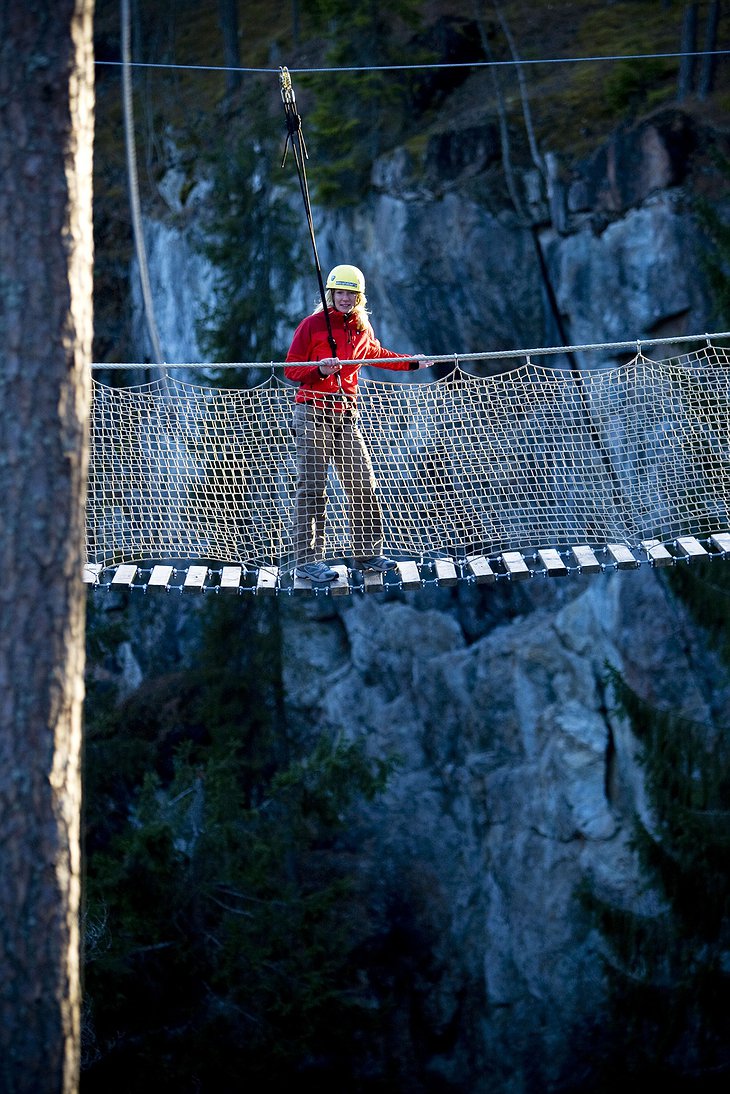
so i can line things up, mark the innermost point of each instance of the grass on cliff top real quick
(574, 105)
(572, 102)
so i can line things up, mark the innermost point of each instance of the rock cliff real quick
(517, 781)
(452, 268)
(518, 785)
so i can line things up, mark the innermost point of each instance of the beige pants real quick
(327, 437)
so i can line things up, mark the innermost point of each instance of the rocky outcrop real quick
(181, 284)
(637, 161)
(452, 269)
(517, 785)
(640, 277)
(517, 781)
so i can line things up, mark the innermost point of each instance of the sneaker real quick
(317, 571)
(378, 563)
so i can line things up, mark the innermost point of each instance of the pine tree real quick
(223, 908)
(668, 1014)
(358, 115)
(251, 235)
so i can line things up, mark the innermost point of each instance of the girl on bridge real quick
(326, 353)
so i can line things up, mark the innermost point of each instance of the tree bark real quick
(46, 141)
(537, 159)
(504, 141)
(707, 67)
(228, 15)
(688, 47)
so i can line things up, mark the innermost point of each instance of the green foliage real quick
(634, 84)
(714, 220)
(252, 232)
(705, 591)
(222, 903)
(358, 115)
(687, 766)
(669, 985)
(578, 110)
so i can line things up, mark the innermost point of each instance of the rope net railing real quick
(530, 458)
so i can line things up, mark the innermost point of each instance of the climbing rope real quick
(134, 188)
(295, 139)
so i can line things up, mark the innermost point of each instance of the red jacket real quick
(310, 343)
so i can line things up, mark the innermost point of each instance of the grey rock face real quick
(630, 280)
(181, 285)
(451, 269)
(517, 784)
(636, 162)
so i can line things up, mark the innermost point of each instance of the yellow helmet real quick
(348, 278)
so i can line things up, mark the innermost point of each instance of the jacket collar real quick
(341, 317)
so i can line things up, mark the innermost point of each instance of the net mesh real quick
(534, 457)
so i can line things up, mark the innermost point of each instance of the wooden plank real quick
(302, 585)
(480, 570)
(553, 562)
(230, 579)
(586, 559)
(92, 572)
(656, 552)
(266, 579)
(373, 581)
(515, 565)
(622, 556)
(340, 587)
(690, 547)
(195, 579)
(410, 576)
(445, 571)
(125, 574)
(721, 542)
(160, 577)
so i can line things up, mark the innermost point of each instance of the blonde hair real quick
(359, 311)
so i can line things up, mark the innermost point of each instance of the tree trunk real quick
(228, 14)
(46, 141)
(688, 47)
(707, 67)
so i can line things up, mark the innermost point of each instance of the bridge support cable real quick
(409, 576)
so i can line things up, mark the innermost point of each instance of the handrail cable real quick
(450, 358)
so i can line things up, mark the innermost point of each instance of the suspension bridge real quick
(533, 470)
